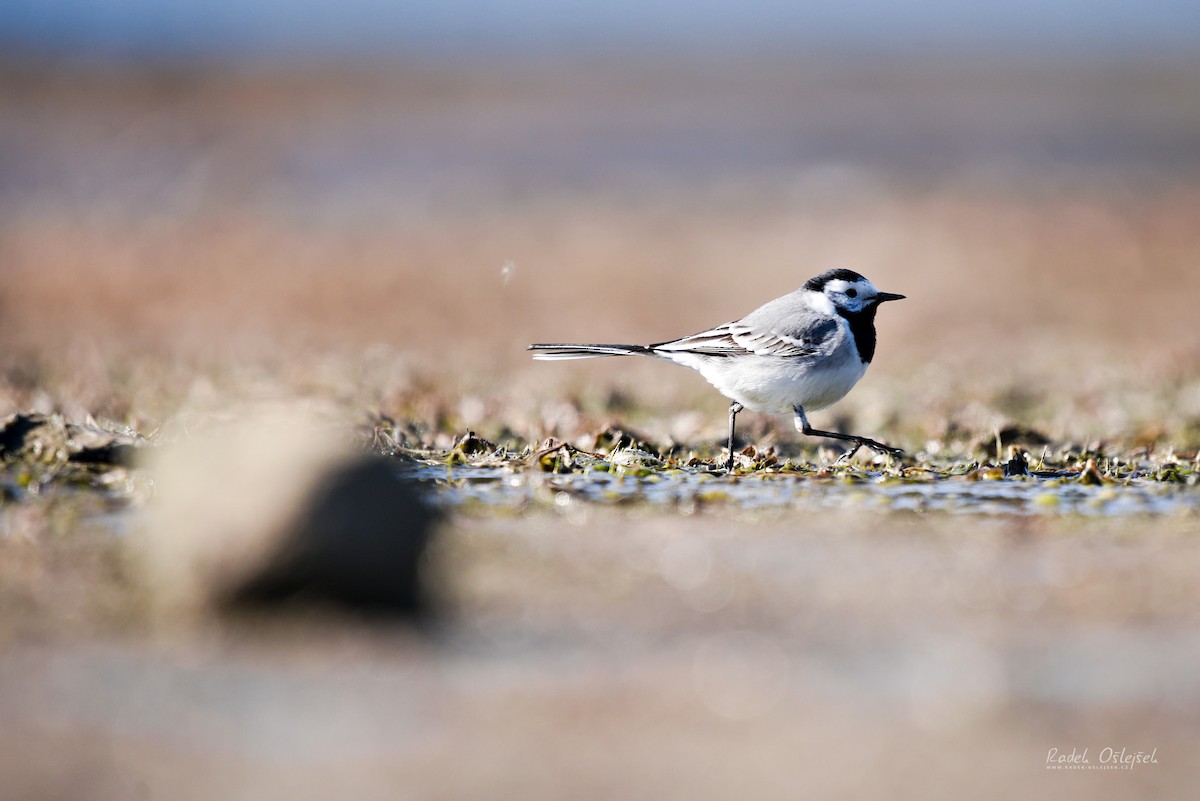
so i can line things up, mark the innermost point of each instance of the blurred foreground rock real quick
(275, 508)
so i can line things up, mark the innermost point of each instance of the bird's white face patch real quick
(851, 296)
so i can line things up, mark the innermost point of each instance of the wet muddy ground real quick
(955, 491)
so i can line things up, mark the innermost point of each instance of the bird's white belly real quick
(777, 386)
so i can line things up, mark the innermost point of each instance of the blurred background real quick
(232, 183)
(379, 205)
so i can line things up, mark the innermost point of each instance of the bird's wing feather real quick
(803, 337)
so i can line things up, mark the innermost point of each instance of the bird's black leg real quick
(734, 408)
(804, 428)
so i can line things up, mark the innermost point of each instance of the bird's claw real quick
(879, 447)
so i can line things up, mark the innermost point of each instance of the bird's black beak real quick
(883, 297)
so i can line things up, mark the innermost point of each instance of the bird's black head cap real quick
(817, 283)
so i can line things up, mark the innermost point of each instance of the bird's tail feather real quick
(551, 352)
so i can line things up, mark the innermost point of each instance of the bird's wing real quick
(803, 337)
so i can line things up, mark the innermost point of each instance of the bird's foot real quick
(848, 455)
(878, 447)
(863, 442)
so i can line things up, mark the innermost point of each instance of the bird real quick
(796, 354)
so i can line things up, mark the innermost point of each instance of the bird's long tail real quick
(549, 352)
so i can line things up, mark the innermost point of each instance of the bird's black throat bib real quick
(862, 328)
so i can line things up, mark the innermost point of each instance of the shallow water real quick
(685, 489)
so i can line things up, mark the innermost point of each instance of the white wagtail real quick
(798, 353)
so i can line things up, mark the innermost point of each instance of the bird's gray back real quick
(792, 318)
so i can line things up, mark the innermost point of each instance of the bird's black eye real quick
(852, 293)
